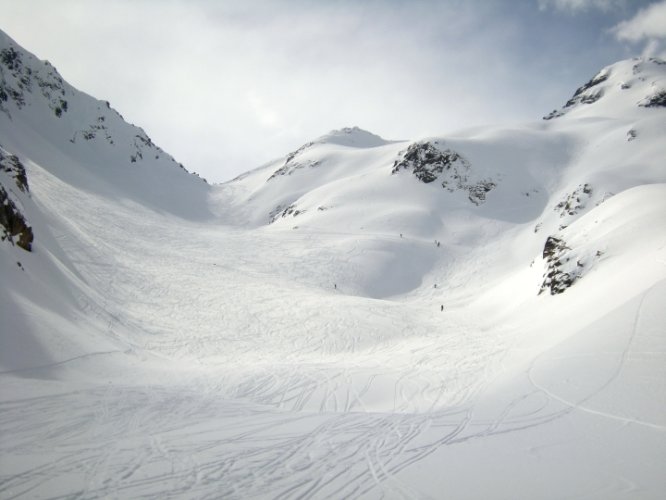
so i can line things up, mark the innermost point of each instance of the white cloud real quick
(573, 6)
(226, 86)
(264, 112)
(649, 22)
(649, 26)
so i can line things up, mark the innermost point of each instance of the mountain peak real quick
(98, 150)
(353, 137)
(619, 89)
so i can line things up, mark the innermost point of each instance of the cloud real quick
(648, 25)
(573, 6)
(230, 85)
(226, 86)
(649, 22)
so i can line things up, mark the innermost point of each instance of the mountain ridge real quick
(360, 317)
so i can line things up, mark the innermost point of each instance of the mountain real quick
(360, 318)
(85, 142)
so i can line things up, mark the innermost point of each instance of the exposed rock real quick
(599, 78)
(574, 202)
(12, 165)
(281, 212)
(477, 192)
(13, 223)
(291, 164)
(353, 137)
(556, 280)
(290, 167)
(428, 163)
(18, 78)
(583, 95)
(656, 100)
(141, 143)
(564, 266)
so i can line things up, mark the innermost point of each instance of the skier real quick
(442, 308)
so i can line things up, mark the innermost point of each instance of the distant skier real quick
(335, 286)
(442, 308)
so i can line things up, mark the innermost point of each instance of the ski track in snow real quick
(581, 404)
(337, 411)
(216, 356)
(312, 393)
(308, 410)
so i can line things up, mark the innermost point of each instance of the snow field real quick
(380, 338)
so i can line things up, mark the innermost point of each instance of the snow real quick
(165, 338)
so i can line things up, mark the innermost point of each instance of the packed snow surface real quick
(479, 315)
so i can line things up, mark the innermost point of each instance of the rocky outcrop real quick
(642, 76)
(12, 166)
(348, 137)
(585, 94)
(656, 100)
(565, 265)
(556, 255)
(283, 212)
(141, 147)
(27, 82)
(429, 163)
(657, 97)
(14, 227)
(18, 79)
(292, 163)
(574, 202)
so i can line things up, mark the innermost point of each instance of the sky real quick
(226, 86)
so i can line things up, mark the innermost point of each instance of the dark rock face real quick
(282, 212)
(582, 95)
(599, 78)
(18, 78)
(477, 192)
(556, 280)
(13, 224)
(429, 163)
(24, 80)
(11, 165)
(142, 146)
(656, 100)
(291, 163)
(574, 202)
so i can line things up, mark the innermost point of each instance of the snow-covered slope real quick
(461, 191)
(361, 318)
(84, 142)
